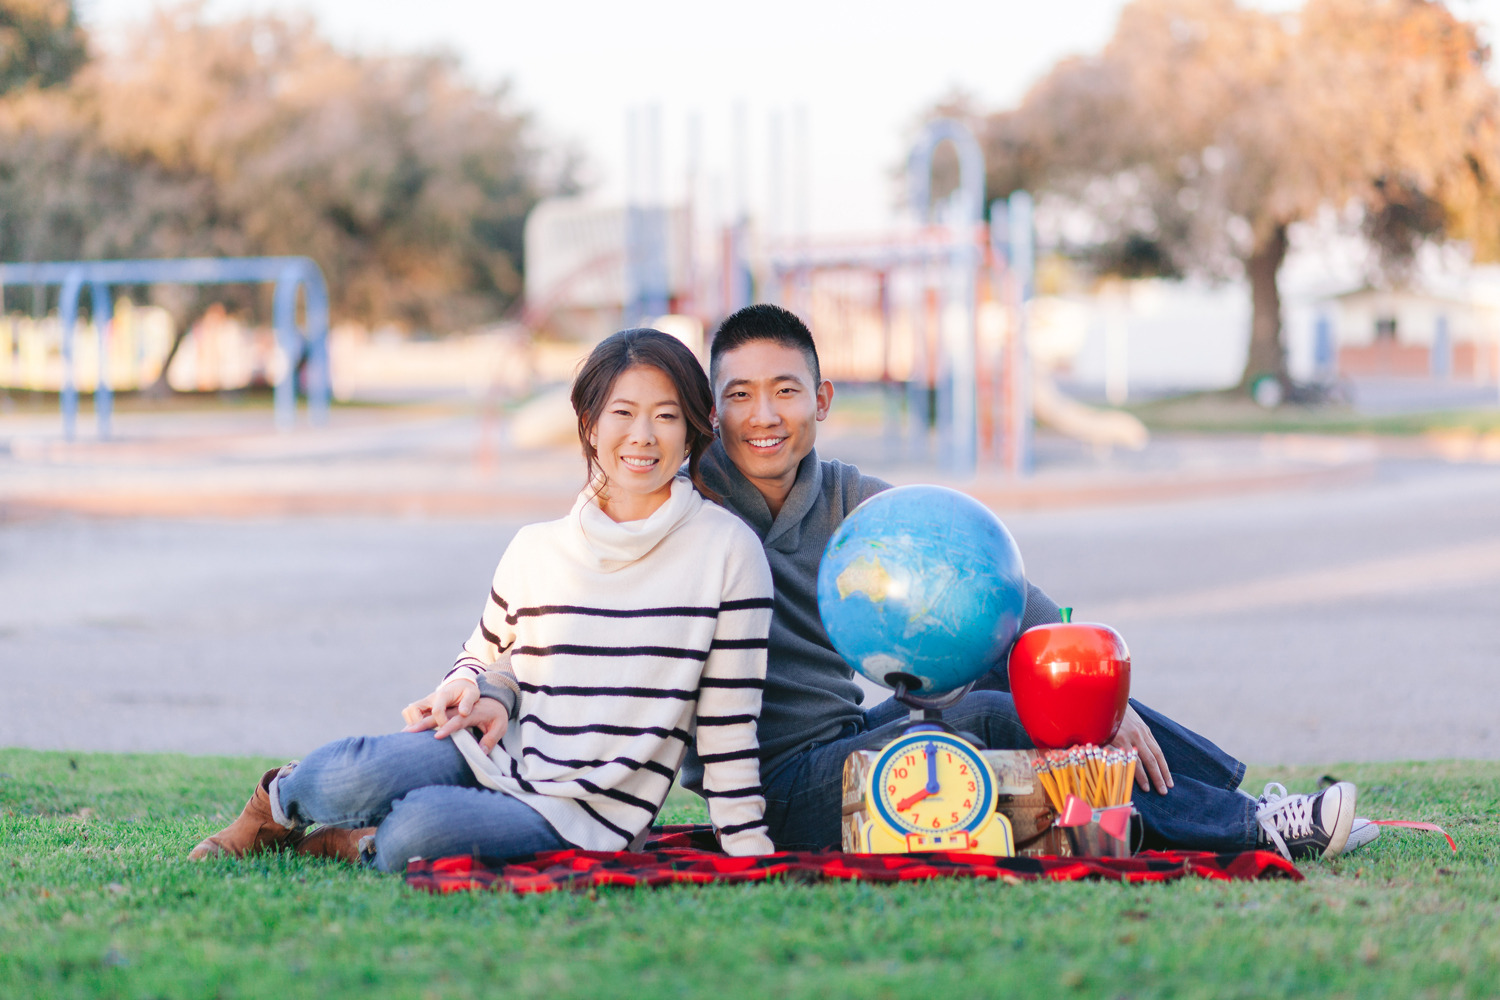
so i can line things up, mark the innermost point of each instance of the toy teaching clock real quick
(931, 790)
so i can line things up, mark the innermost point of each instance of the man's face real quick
(767, 408)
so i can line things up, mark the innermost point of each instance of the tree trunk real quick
(160, 387)
(1267, 355)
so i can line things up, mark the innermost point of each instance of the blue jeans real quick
(1203, 811)
(420, 795)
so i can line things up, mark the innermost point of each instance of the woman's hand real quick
(488, 715)
(1153, 768)
(432, 711)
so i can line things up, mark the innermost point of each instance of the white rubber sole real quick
(1343, 820)
(1361, 833)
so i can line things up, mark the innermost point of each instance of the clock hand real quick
(932, 782)
(912, 800)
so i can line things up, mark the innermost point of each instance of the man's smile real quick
(764, 442)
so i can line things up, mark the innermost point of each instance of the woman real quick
(607, 638)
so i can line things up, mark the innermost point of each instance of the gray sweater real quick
(810, 691)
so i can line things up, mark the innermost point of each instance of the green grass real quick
(97, 901)
(1228, 412)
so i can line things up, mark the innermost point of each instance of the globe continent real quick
(924, 581)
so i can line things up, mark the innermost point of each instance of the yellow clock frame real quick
(981, 831)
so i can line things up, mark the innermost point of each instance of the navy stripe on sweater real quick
(724, 720)
(574, 649)
(626, 834)
(604, 692)
(634, 765)
(738, 644)
(740, 827)
(602, 727)
(616, 794)
(731, 682)
(492, 638)
(733, 793)
(719, 758)
(574, 609)
(749, 604)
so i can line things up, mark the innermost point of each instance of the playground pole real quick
(288, 274)
(956, 326)
(104, 397)
(1023, 271)
(67, 313)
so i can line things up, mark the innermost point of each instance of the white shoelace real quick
(1279, 813)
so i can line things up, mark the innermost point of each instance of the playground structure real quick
(934, 313)
(946, 305)
(304, 345)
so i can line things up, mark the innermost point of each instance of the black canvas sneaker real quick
(1303, 826)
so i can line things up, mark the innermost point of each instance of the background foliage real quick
(408, 183)
(1205, 129)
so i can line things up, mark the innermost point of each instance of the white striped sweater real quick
(626, 640)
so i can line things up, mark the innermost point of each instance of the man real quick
(769, 397)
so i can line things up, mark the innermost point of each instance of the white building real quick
(1411, 333)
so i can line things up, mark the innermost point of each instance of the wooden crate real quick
(1020, 798)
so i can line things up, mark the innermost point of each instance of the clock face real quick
(931, 783)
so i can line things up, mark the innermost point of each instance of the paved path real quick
(1353, 623)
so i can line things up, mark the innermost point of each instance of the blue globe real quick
(922, 581)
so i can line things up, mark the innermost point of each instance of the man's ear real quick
(713, 419)
(825, 399)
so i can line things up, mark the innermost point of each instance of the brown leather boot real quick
(334, 842)
(252, 831)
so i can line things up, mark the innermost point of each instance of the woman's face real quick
(641, 440)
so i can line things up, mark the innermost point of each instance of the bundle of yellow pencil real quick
(1100, 776)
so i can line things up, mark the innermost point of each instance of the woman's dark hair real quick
(620, 352)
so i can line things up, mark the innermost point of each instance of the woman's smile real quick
(641, 440)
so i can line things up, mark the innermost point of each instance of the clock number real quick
(968, 803)
(911, 761)
(915, 818)
(963, 769)
(955, 817)
(900, 772)
(935, 823)
(949, 756)
(971, 786)
(891, 789)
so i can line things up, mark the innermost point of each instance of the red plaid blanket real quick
(689, 855)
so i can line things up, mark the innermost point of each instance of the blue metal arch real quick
(288, 274)
(970, 169)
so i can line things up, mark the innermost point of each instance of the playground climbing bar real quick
(305, 342)
(974, 393)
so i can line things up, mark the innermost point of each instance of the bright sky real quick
(861, 71)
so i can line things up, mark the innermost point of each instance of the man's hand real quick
(432, 711)
(1153, 767)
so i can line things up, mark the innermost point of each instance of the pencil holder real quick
(1107, 834)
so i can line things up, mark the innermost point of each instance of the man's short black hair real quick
(763, 322)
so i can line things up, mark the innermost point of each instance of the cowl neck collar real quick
(612, 545)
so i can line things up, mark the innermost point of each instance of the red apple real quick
(1071, 682)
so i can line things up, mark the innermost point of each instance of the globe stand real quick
(927, 710)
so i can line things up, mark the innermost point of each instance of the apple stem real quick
(1067, 614)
